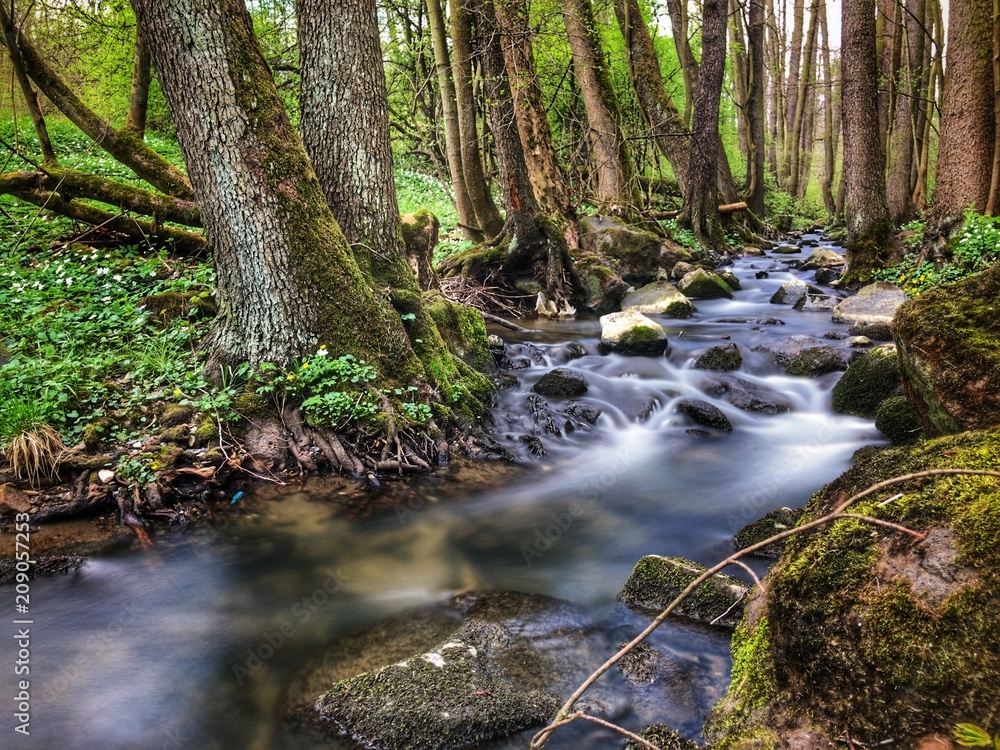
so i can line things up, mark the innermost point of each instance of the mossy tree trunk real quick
(287, 278)
(869, 230)
(345, 130)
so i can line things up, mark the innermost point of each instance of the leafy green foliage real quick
(971, 735)
(683, 237)
(974, 249)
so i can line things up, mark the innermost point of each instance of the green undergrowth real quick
(974, 249)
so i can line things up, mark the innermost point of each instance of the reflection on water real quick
(191, 646)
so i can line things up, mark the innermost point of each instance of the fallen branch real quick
(724, 210)
(563, 717)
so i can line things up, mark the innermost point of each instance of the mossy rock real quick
(206, 432)
(168, 306)
(773, 523)
(181, 434)
(561, 383)
(659, 298)
(724, 357)
(95, 433)
(664, 738)
(949, 347)
(866, 630)
(175, 414)
(634, 253)
(656, 581)
(869, 380)
(702, 284)
(632, 333)
(804, 356)
(897, 419)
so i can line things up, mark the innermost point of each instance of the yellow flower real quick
(322, 347)
(177, 391)
(305, 365)
(291, 377)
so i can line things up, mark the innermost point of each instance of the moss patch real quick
(869, 380)
(897, 419)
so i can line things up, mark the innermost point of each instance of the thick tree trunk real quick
(487, 214)
(701, 212)
(138, 100)
(286, 276)
(665, 121)
(452, 135)
(965, 152)
(899, 189)
(547, 180)
(869, 230)
(615, 189)
(755, 111)
(991, 203)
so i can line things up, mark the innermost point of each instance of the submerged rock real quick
(804, 355)
(727, 275)
(790, 292)
(561, 383)
(702, 284)
(746, 395)
(656, 581)
(659, 298)
(774, 522)
(875, 303)
(722, 357)
(630, 332)
(704, 414)
(870, 380)
(664, 738)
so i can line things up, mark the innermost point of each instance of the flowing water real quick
(191, 646)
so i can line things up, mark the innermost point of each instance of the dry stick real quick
(609, 725)
(542, 737)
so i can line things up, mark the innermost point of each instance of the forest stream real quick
(192, 644)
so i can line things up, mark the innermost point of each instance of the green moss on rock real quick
(897, 419)
(869, 380)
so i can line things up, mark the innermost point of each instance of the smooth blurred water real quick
(144, 649)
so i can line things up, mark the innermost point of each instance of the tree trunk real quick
(755, 111)
(887, 23)
(287, 279)
(31, 98)
(899, 189)
(965, 151)
(487, 215)
(701, 212)
(548, 183)
(794, 74)
(452, 135)
(808, 141)
(869, 230)
(665, 121)
(829, 137)
(795, 137)
(615, 189)
(677, 10)
(776, 97)
(991, 203)
(739, 59)
(138, 100)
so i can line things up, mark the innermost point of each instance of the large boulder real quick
(704, 414)
(630, 332)
(868, 631)
(804, 355)
(772, 524)
(875, 303)
(702, 284)
(659, 298)
(949, 352)
(897, 419)
(656, 581)
(480, 668)
(817, 303)
(790, 292)
(612, 257)
(746, 395)
(823, 257)
(870, 380)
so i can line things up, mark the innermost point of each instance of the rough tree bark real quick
(487, 214)
(794, 74)
(701, 211)
(869, 231)
(287, 279)
(452, 135)
(965, 151)
(829, 134)
(615, 188)
(138, 100)
(31, 99)
(678, 11)
(805, 78)
(991, 203)
(899, 189)
(754, 187)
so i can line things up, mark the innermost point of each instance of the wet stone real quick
(561, 383)
(704, 414)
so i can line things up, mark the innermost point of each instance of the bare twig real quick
(563, 717)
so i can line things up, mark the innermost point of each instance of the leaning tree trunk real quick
(665, 121)
(965, 152)
(287, 279)
(869, 231)
(701, 210)
(612, 162)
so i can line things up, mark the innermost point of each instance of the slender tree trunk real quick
(739, 59)
(887, 22)
(794, 74)
(487, 214)
(287, 278)
(452, 135)
(965, 152)
(869, 230)
(665, 121)
(31, 98)
(829, 138)
(755, 111)
(899, 190)
(793, 160)
(808, 141)
(991, 203)
(776, 102)
(932, 90)
(615, 188)
(138, 100)
(547, 178)
(677, 9)
(701, 212)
